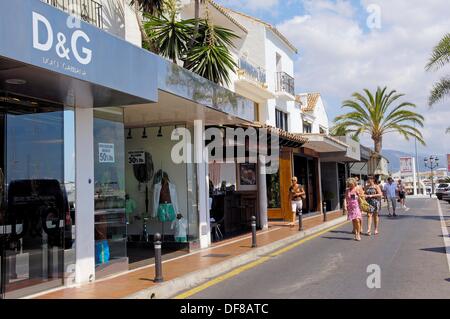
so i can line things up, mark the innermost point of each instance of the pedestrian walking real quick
(360, 190)
(352, 206)
(297, 194)
(373, 195)
(401, 189)
(390, 195)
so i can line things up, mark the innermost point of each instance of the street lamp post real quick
(432, 162)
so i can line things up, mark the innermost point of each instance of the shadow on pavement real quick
(341, 232)
(341, 238)
(435, 249)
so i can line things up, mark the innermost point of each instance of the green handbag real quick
(363, 204)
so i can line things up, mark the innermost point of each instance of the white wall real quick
(321, 117)
(119, 18)
(274, 46)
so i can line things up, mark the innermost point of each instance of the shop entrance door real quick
(33, 202)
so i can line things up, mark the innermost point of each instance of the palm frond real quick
(376, 114)
(440, 90)
(210, 57)
(441, 54)
(152, 7)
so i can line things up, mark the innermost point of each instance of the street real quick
(409, 251)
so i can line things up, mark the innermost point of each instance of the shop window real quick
(33, 204)
(109, 171)
(273, 190)
(161, 193)
(281, 120)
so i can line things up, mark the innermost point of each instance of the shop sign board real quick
(43, 36)
(106, 153)
(136, 157)
(406, 165)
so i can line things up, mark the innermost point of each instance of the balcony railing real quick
(285, 83)
(256, 73)
(87, 10)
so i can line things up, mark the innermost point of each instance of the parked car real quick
(446, 196)
(442, 188)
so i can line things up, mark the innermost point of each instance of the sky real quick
(348, 45)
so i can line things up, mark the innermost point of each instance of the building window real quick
(307, 128)
(281, 120)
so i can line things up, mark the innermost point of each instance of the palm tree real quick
(439, 58)
(377, 116)
(210, 57)
(168, 33)
(147, 8)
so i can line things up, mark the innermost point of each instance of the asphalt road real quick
(409, 251)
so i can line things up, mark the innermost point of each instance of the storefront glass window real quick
(35, 205)
(109, 168)
(161, 194)
(273, 190)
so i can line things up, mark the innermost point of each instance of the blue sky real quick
(340, 54)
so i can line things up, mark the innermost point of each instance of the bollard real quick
(300, 220)
(253, 231)
(158, 261)
(324, 206)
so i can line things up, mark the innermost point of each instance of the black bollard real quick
(324, 206)
(158, 261)
(300, 220)
(253, 231)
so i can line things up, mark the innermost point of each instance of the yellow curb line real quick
(253, 264)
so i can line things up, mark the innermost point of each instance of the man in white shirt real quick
(390, 194)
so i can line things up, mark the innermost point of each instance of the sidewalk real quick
(186, 271)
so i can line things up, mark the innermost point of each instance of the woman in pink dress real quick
(352, 206)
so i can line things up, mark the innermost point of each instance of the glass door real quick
(2, 208)
(34, 199)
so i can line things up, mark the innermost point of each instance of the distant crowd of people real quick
(367, 199)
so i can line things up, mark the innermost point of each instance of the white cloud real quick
(338, 56)
(252, 5)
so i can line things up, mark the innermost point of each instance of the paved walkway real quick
(408, 259)
(126, 284)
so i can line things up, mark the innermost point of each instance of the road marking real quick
(445, 236)
(253, 264)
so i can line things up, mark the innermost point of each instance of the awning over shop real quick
(322, 143)
(286, 139)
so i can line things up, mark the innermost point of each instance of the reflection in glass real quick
(109, 171)
(32, 163)
(273, 190)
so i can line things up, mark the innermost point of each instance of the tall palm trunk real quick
(137, 12)
(378, 144)
(196, 27)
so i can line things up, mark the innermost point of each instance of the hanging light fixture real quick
(160, 132)
(129, 137)
(144, 133)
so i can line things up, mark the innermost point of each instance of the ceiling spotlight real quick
(129, 137)
(160, 132)
(144, 133)
(16, 81)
